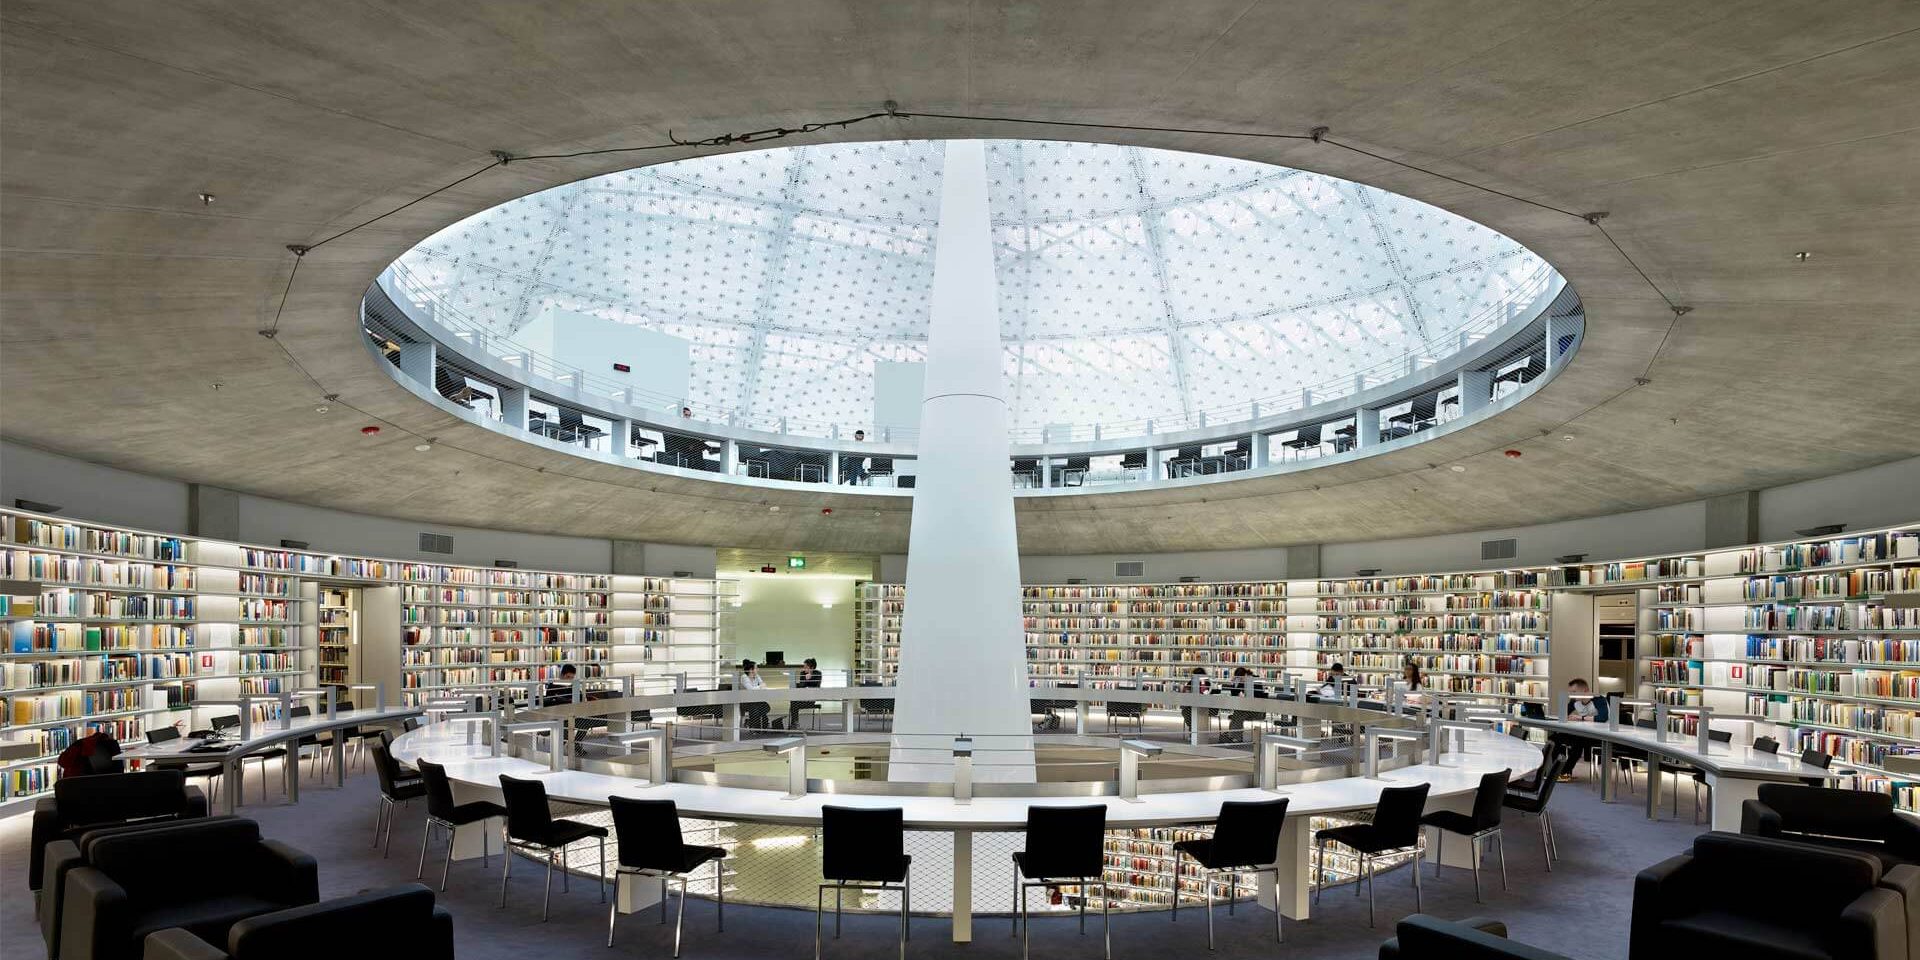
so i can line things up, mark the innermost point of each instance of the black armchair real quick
(80, 804)
(1723, 899)
(204, 875)
(65, 855)
(1421, 937)
(1857, 820)
(406, 919)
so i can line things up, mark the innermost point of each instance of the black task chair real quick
(1766, 745)
(1484, 822)
(862, 849)
(1064, 845)
(442, 812)
(533, 829)
(648, 844)
(1815, 758)
(1246, 837)
(1395, 829)
(396, 787)
(1535, 801)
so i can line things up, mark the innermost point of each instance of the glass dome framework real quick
(1134, 283)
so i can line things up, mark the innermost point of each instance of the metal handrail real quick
(416, 292)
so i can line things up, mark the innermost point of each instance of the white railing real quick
(426, 306)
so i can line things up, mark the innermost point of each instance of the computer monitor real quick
(775, 658)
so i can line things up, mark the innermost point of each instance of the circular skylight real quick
(1134, 283)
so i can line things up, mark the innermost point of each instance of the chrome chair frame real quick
(840, 887)
(680, 917)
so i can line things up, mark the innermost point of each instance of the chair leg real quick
(1083, 909)
(904, 896)
(566, 877)
(1233, 891)
(1416, 887)
(1206, 882)
(506, 869)
(379, 818)
(546, 899)
(1440, 851)
(1501, 835)
(1473, 851)
(1318, 872)
(602, 874)
(613, 909)
(1013, 930)
(839, 894)
(1279, 935)
(719, 896)
(426, 831)
(392, 815)
(1026, 927)
(663, 901)
(680, 916)
(1366, 866)
(819, 896)
(1546, 842)
(447, 865)
(1553, 836)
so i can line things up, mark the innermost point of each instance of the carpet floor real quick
(1580, 909)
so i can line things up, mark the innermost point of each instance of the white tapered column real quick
(963, 659)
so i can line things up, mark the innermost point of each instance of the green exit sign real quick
(796, 563)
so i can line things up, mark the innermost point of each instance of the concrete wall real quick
(1160, 567)
(92, 491)
(1872, 497)
(270, 521)
(1875, 497)
(782, 611)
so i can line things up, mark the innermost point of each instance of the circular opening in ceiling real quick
(1134, 283)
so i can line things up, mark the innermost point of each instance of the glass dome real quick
(1134, 283)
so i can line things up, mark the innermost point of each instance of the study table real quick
(475, 767)
(266, 735)
(1735, 771)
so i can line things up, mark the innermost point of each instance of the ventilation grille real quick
(1130, 568)
(436, 543)
(1499, 549)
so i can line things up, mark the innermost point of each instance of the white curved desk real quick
(1452, 779)
(266, 735)
(1735, 771)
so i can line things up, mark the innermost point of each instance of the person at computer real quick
(560, 691)
(854, 469)
(808, 678)
(1242, 685)
(1582, 707)
(755, 713)
(1330, 684)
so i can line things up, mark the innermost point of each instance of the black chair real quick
(1861, 821)
(1395, 828)
(1766, 745)
(1064, 845)
(1815, 758)
(396, 787)
(1422, 937)
(862, 849)
(1489, 799)
(1245, 838)
(205, 875)
(286, 755)
(877, 707)
(532, 828)
(1724, 899)
(648, 844)
(407, 921)
(1535, 801)
(442, 812)
(194, 771)
(1136, 712)
(65, 855)
(1699, 776)
(80, 804)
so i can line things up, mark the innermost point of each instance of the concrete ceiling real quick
(1720, 137)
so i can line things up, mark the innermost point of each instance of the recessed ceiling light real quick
(423, 447)
(1457, 468)
(774, 508)
(1568, 438)
(1803, 256)
(322, 408)
(206, 199)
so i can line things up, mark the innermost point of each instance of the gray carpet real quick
(1580, 909)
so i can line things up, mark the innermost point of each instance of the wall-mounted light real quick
(826, 604)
